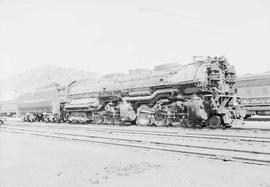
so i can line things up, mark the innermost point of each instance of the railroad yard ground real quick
(40, 154)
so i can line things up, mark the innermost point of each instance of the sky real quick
(106, 36)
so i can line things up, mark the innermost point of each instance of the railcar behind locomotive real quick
(196, 94)
(255, 91)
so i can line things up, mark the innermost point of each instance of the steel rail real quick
(169, 132)
(217, 156)
(227, 137)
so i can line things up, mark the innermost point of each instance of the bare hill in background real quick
(42, 76)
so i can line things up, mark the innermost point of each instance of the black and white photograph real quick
(145, 93)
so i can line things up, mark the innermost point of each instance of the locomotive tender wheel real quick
(214, 122)
(161, 120)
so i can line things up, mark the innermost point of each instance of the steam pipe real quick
(150, 97)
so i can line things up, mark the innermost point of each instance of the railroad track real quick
(190, 134)
(163, 130)
(258, 119)
(210, 152)
(169, 130)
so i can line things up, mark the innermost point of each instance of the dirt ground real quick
(27, 160)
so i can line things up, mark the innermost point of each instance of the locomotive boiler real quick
(196, 94)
